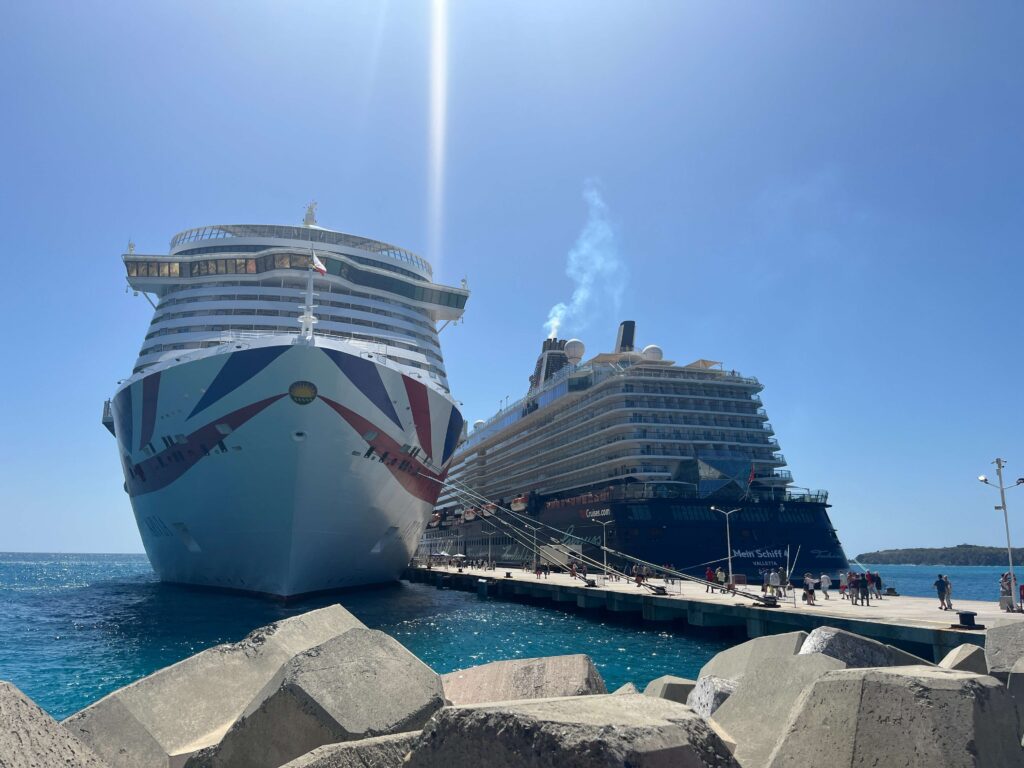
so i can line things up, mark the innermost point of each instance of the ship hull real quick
(283, 469)
(684, 534)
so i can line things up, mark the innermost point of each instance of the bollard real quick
(966, 621)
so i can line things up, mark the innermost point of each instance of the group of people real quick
(859, 587)
(717, 580)
(944, 589)
(853, 586)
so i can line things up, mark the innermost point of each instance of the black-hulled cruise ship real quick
(648, 453)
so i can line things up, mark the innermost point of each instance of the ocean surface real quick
(970, 582)
(75, 627)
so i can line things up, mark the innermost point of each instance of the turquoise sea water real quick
(970, 582)
(75, 627)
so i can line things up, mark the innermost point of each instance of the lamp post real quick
(604, 543)
(534, 547)
(728, 538)
(488, 534)
(1000, 463)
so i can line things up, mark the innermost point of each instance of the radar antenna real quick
(309, 220)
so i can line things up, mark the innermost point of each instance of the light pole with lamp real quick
(604, 543)
(488, 534)
(728, 538)
(1000, 463)
(534, 546)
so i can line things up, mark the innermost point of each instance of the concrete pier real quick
(914, 624)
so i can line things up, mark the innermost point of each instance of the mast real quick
(307, 318)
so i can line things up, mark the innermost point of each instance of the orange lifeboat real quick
(434, 520)
(518, 504)
(489, 509)
(470, 514)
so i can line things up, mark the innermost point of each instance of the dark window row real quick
(419, 312)
(269, 262)
(325, 316)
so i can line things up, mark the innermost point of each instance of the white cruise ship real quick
(283, 428)
(633, 450)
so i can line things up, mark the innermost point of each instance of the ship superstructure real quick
(630, 437)
(289, 412)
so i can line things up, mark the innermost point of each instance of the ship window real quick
(639, 512)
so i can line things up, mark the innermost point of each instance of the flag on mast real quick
(316, 263)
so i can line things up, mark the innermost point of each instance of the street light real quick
(1000, 463)
(728, 538)
(488, 534)
(534, 545)
(604, 543)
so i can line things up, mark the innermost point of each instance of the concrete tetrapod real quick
(670, 687)
(378, 752)
(856, 651)
(1015, 685)
(541, 678)
(709, 694)
(967, 658)
(622, 690)
(1003, 647)
(733, 663)
(573, 732)
(162, 719)
(902, 717)
(763, 700)
(361, 684)
(30, 738)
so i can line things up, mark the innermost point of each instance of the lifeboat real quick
(518, 504)
(434, 520)
(470, 514)
(489, 509)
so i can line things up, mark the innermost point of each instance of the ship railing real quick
(690, 375)
(680, 490)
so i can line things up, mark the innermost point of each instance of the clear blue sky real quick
(827, 196)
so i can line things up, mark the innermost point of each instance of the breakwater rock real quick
(321, 690)
(573, 675)
(30, 738)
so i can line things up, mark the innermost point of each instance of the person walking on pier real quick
(844, 582)
(773, 583)
(783, 580)
(808, 589)
(949, 592)
(826, 583)
(720, 578)
(865, 589)
(709, 577)
(878, 585)
(940, 589)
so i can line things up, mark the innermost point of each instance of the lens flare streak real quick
(438, 119)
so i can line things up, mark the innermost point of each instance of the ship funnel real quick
(625, 340)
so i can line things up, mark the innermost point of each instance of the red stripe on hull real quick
(410, 473)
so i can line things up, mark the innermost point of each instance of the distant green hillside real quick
(961, 554)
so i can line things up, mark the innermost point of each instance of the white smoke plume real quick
(594, 266)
